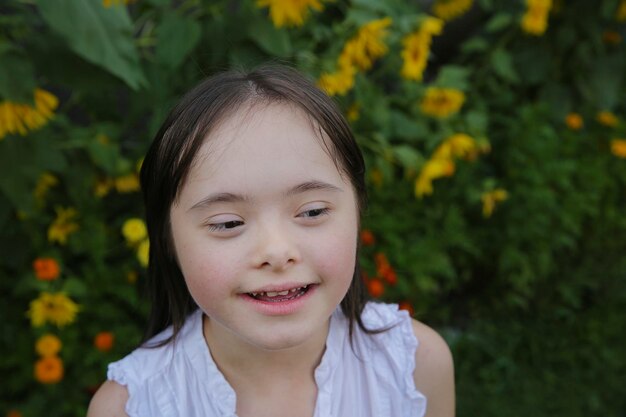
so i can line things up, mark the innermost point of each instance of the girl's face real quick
(265, 229)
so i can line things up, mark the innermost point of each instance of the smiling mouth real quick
(280, 296)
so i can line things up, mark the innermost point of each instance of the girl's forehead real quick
(262, 138)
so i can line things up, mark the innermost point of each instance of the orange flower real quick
(607, 119)
(574, 121)
(49, 370)
(104, 341)
(14, 413)
(46, 269)
(390, 276)
(367, 237)
(618, 147)
(381, 260)
(405, 305)
(375, 288)
(611, 37)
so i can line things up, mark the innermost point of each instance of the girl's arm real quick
(109, 401)
(434, 372)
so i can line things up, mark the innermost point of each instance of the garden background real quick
(495, 138)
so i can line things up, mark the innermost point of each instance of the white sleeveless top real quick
(181, 379)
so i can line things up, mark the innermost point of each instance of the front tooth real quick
(284, 292)
(271, 294)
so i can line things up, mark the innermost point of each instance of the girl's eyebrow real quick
(237, 198)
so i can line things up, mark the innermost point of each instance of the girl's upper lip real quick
(279, 287)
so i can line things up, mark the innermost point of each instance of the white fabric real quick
(371, 378)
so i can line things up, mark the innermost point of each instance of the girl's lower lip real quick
(280, 308)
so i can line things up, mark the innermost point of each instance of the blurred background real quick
(495, 138)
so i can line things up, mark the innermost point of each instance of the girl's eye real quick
(225, 226)
(317, 212)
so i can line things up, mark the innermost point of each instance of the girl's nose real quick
(276, 249)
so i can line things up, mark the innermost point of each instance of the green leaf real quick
(176, 37)
(245, 56)
(23, 160)
(74, 287)
(503, 65)
(453, 77)
(374, 5)
(159, 3)
(17, 78)
(273, 41)
(359, 17)
(534, 64)
(403, 127)
(476, 121)
(475, 45)
(498, 22)
(102, 36)
(104, 156)
(604, 84)
(407, 156)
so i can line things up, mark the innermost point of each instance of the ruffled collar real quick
(224, 396)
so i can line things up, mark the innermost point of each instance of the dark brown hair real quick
(174, 149)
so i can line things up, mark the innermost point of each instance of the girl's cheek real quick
(339, 255)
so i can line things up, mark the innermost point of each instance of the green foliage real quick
(528, 297)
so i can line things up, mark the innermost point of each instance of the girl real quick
(253, 188)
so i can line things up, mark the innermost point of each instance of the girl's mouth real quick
(280, 296)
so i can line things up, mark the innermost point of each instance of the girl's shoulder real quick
(145, 375)
(420, 353)
(110, 400)
(434, 371)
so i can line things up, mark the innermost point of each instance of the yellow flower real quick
(451, 9)
(109, 3)
(103, 139)
(143, 253)
(490, 198)
(442, 102)
(289, 12)
(618, 147)
(366, 46)
(432, 169)
(127, 183)
(441, 164)
(416, 48)
(63, 225)
(607, 118)
(48, 345)
(103, 187)
(132, 276)
(54, 308)
(20, 118)
(620, 14)
(458, 145)
(339, 82)
(377, 177)
(353, 112)
(574, 121)
(535, 20)
(134, 230)
(45, 182)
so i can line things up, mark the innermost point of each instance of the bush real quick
(495, 140)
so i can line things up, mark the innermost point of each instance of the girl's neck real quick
(240, 361)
